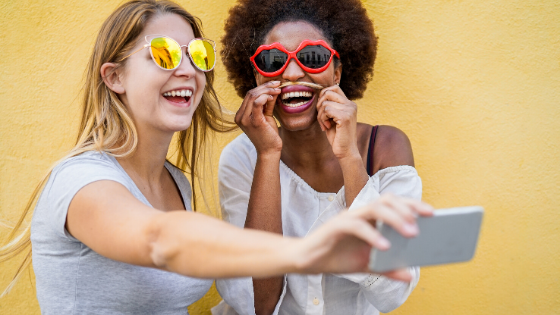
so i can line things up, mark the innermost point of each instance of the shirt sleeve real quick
(383, 293)
(235, 177)
(65, 181)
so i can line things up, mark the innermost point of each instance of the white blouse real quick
(303, 210)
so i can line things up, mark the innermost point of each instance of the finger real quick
(324, 119)
(334, 111)
(400, 206)
(272, 84)
(332, 96)
(420, 207)
(257, 113)
(320, 111)
(240, 112)
(399, 274)
(334, 88)
(365, 231)
(379, 211)
(270, 87)
(250, 99)
(269, 106)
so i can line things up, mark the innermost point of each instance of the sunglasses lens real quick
(314, 56)
(166, 53)
(271, 60)
(202, 54)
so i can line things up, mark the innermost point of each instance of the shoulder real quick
(88, 162)
(75, 172)
(392, 148)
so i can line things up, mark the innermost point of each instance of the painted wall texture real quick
(474, 84)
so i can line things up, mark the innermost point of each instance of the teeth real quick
(181, 93)
(295, 105)
(296, 94)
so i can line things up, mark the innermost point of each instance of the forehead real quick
(291, 34)
(171, 25)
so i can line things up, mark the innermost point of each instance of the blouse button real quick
(316, 300)
(331, 198)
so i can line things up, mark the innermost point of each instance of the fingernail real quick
(382, 243)
(410, 228)
(274, 82)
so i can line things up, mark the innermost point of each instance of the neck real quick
(307, 147)
(146, 163)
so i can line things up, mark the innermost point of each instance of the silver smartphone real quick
(449, 236)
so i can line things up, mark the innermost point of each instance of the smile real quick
(180, 97)
(296, 98)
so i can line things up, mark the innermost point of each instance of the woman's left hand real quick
(337, 116)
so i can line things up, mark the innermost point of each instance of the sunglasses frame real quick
(149, 44)
(292, 55)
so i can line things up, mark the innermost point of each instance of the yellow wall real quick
(475, 85)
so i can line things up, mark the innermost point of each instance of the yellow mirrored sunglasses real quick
(168, 54)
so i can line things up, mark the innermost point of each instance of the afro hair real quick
(343, 22)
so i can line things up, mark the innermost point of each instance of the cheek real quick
(200, 86)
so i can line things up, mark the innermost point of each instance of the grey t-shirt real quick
(73, 279)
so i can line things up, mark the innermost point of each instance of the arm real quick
(393, 156)
(107, 218)
(264, 210)
(337, 116)
(236, 184)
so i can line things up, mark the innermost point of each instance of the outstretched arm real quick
(107, 218)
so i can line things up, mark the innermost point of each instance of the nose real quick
(186, 68)
(293, 71)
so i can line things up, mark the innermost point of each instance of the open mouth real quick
(182, 96)
(296, 98)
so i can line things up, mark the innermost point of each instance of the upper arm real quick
(107, 218)
(235, 177)
(392, 148)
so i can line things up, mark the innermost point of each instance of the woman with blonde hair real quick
(113, 231)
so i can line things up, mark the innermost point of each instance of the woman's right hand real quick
(255, 118)
(343, 244)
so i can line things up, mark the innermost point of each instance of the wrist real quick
(269, 155)
(350, 158)
(294, 251)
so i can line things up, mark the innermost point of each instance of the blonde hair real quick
(106, 125)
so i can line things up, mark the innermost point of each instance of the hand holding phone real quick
(449, 236)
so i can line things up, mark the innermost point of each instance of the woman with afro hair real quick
(301, 63)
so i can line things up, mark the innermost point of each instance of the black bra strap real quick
(369, 167)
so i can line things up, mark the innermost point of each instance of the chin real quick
(297, 123)
(179, 125)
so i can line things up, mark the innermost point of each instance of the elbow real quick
(390, 306)
(395, 293)
(161, 250)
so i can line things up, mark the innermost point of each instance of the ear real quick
(110, 72)
(338, 73)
